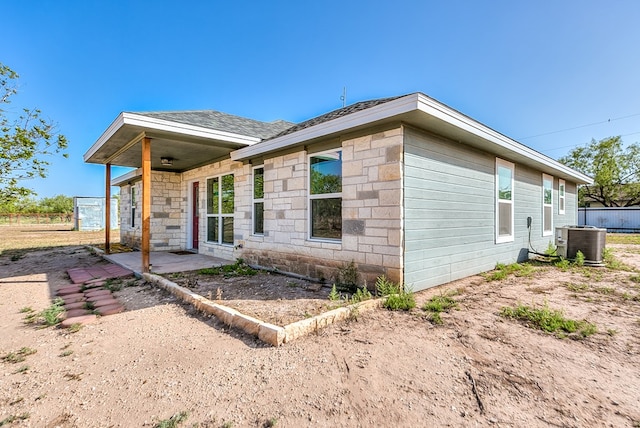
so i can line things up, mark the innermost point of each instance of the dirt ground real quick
(270, 297)
(160, 358)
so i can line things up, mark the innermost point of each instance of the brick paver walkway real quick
(86, 297)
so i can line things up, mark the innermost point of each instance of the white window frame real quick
(562, 199)
(311, 197)
(505, 164)
(547, 232)
(219, 214)
(255, 200)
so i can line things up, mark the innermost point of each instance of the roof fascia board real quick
(106, 135)
(155, 124)
(464, 122)
(362, 117)
(129, 176)
(411, 102)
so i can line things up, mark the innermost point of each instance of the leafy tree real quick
(26, 140)
(614, 168)
(56, 204)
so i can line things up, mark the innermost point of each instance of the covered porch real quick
(165, 261)
(169, 142)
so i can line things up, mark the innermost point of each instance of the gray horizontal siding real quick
(449, 211)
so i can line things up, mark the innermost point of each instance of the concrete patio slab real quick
(166, 262)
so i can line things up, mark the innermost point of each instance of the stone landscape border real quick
(269, 333)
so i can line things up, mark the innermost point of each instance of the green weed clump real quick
(563, 264)
(398, 298)
(239, 268)
(384, 287)
(14, 418)
(502, 271)
(438, 304)
(549, 320)
(173, 421)
(360, 295)
(612, 262)
(334, 296)
(51, 315)
(18, 356)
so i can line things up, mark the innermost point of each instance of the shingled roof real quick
(223, 122)
(362, 105)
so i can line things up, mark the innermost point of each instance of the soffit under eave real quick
(187, 151)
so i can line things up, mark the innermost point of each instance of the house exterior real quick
(405, 187)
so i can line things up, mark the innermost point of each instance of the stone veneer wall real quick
(215, 169)
(371, 211)
(167, 213)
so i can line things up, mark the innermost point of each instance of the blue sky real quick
(524, 68)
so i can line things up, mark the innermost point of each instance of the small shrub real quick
(347, 277)
(579, 260)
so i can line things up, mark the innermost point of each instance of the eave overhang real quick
(187, 146)
(420, 111)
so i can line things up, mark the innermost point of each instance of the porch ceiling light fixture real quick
(166, 161)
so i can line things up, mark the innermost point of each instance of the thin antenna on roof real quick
(344, 96)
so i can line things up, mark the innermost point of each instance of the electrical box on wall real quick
(589, 240)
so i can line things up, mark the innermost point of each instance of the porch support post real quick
(146, 201)
(107, 207)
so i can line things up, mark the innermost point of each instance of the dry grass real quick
(29, 236)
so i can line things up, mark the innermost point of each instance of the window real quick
(547, 205)
(561, 198)
(504, 201)
(133, 206)
(325, 195)
(258, 200)
(220, 199)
